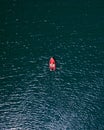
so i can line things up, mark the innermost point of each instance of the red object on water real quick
(52, 64)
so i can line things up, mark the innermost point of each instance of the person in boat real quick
(52, 64)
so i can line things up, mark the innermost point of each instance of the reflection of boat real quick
(52, 64)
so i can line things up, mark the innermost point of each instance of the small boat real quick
(52, 64)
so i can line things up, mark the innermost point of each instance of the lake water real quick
(32, 96)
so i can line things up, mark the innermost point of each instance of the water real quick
(32, 97)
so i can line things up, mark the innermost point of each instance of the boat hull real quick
(52, 64)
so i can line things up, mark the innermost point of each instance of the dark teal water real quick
(31, 96)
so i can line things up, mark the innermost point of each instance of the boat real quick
(52, 64)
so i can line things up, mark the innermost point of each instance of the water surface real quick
(31, 96)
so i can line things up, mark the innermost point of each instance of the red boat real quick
(52, 64)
